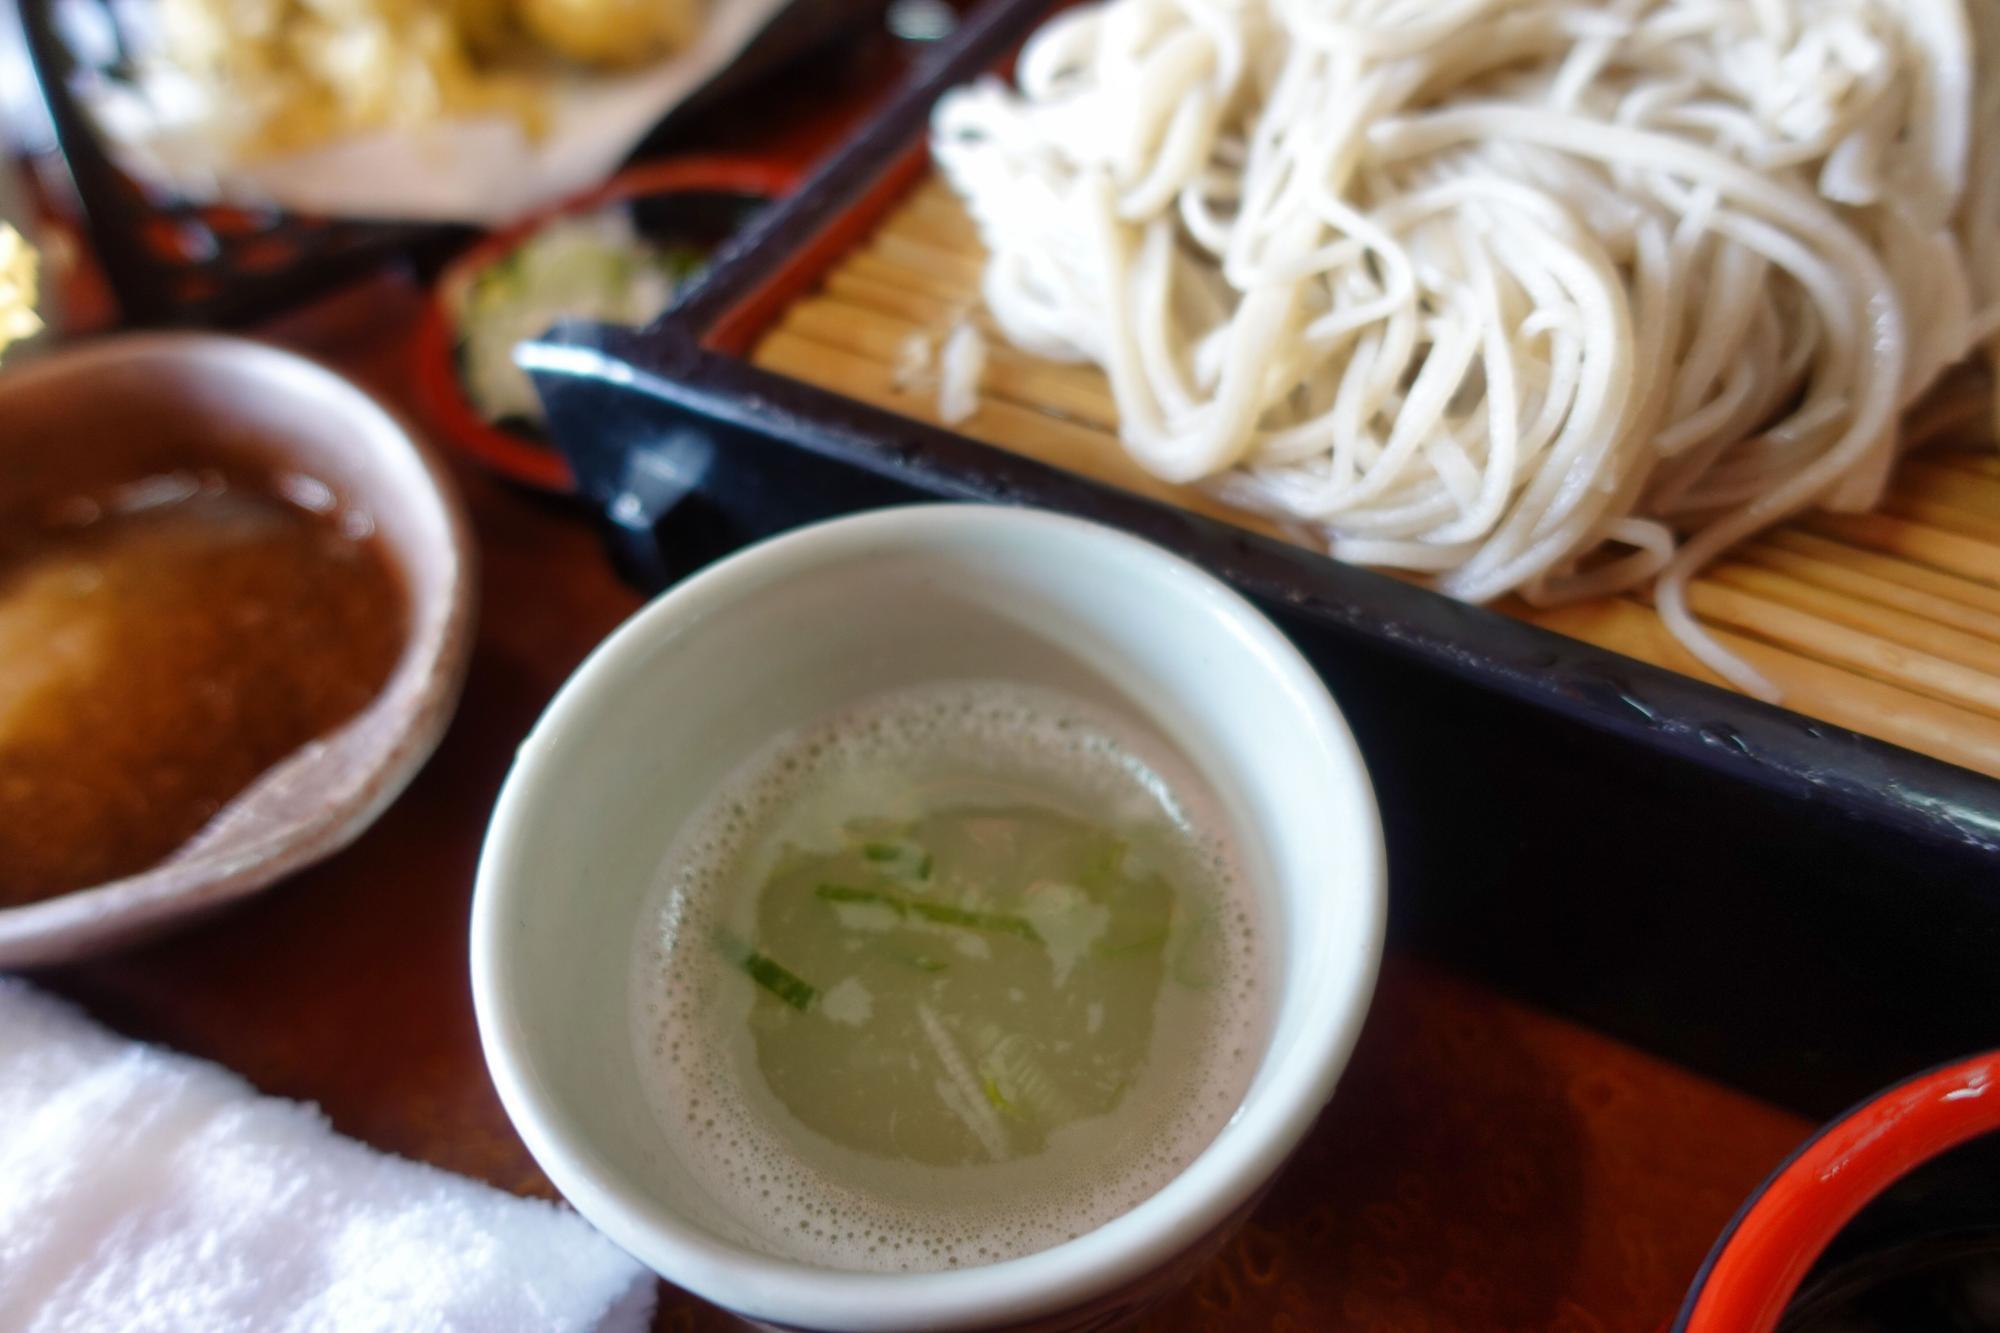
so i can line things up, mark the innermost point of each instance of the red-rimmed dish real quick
(440, 388)
(1750, 1280)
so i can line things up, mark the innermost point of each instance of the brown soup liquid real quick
(165, 638)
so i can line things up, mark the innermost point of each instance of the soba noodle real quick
(1532, 296)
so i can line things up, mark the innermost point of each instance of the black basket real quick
(172, 261)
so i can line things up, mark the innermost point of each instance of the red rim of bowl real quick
(1756, 1267)
(439, 390)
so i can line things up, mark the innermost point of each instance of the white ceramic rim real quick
(762, 1287)
(424, 684)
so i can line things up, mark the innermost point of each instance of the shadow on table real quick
(1443, 1188)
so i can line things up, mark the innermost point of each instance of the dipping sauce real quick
(170, 628)
(946, 978)
(1951, 1285)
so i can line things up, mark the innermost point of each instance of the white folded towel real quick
(143, 1190)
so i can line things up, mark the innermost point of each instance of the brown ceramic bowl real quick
(276, 408)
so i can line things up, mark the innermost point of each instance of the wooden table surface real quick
(1484, 1166)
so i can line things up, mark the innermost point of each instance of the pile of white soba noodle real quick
(1535, 296)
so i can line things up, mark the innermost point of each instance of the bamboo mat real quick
(1888, 623)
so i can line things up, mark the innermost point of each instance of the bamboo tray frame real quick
(1887, 623)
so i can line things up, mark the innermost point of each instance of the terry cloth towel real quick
(142, 1190)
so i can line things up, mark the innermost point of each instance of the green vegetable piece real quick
(768, 972)
(899, 857)
(1103, 867)
(994, 1097)
(1151, 940)
(947, 915)
(943, 914)
(843, 893)
(781, 981)
(681, 262)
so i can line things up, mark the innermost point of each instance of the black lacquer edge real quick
(1853, 775)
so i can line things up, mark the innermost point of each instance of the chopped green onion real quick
(841, 893)
(994, 1097)
(781, 981)
(943, 914)
(946, 915)
(768, 972)
(915, 859)
(1103, 867)
(1152, 940)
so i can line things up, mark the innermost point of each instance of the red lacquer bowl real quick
(1756, 1268)
(440, 392)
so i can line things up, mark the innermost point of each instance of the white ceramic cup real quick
(785, 632)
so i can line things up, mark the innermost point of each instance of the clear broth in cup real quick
(952, 976)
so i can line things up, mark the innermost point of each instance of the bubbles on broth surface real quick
(949, 977)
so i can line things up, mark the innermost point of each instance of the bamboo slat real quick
(1049, 439)
(1906, 539)
(1981, 462)
(1943, 516)
(1962, 605)
(1886, 622)
(1813, 688)
(1923, 479)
